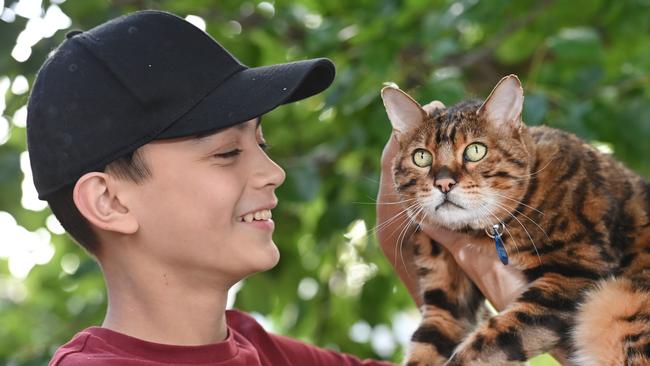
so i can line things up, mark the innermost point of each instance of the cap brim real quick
(252, 92)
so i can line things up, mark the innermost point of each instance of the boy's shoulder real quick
(74, 352)
(90, 347)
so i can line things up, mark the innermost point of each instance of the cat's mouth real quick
(448, 203)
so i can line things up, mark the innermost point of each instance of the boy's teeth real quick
(259, 215)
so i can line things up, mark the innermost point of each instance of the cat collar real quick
(496, 233)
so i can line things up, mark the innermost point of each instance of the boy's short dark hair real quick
(132, 167)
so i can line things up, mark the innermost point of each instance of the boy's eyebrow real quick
(201, 136)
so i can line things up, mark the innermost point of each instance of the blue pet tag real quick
(498, 244)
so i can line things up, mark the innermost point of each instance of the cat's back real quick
(594, 187)
(567, 153)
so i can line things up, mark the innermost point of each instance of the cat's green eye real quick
(422, 158)
(475, 152)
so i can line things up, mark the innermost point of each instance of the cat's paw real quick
(472, 357)
(423, 354)
(464, 359)
(459, 359)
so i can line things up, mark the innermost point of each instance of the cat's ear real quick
(403, 111)
(505, 103)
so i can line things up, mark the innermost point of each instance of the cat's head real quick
(462, 167)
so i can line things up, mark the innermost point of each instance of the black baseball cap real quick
(146, 75)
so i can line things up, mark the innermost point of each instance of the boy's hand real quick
(501, 284)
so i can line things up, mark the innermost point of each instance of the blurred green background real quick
(584, 65)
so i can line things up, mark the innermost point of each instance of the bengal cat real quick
(574, 220)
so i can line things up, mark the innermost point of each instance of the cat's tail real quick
(613, 325)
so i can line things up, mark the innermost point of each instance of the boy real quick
(145, 139)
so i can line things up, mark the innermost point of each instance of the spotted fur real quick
(578, 227)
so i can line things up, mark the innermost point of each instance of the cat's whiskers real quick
(486, 209)
(403, 229)
(498, 205)
(402, 237)
(526, 177)
(517, 201)
(504, 207)
(416, 205)
(419, 224)
(555, 156)
(385, 203)
(422, 208)
(408, 220)
(381, 226)
(373, 180)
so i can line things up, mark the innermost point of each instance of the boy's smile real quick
(259, 218)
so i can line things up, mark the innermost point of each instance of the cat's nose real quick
(445, 184)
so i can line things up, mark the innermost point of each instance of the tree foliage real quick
(584, 65)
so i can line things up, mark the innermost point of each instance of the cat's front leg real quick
(451, 306)
(491, 345)
(538, 322)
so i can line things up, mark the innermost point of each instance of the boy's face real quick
(191, 213)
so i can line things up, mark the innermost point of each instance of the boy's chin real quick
(265, 260)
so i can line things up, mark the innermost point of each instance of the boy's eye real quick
(232, 153)
(229, 154)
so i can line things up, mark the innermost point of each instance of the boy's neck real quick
(158, 306)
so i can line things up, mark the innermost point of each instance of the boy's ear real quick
(404, 113)
(505, 103)
(96, 200)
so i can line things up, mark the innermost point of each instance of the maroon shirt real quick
(247, 344)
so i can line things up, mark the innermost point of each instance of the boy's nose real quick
(273, 174)
(278, 175)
